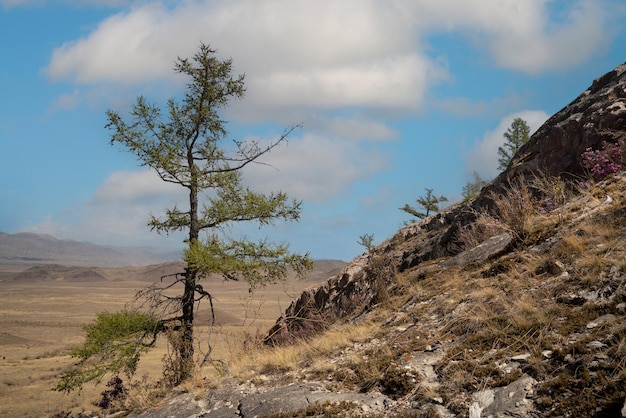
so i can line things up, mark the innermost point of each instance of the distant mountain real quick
(322, 270)
(29, 249)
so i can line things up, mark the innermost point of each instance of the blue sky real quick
(395, 96)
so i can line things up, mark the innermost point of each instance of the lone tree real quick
(429, 203)
(516, 135)
(366, 240)
(186, 145)
(472, 188)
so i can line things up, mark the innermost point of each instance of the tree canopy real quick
(516, 135)
(186, 144)
(429, 204)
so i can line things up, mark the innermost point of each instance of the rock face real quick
(557, 145)
(355, 288)
(555, 150)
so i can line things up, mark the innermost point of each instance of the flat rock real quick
(508, 401)
(489, 248)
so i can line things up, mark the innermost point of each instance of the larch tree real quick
(472, 188)
(187, 145)
(429, 203)
(516, 135)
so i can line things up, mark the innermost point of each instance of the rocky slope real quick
(597, 115)
(464, 313)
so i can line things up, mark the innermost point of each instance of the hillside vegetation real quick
(511, 303)
(550, 308)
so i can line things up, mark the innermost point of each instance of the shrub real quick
(609, 159)
(114, 343)
(117, 392)
(512, 211)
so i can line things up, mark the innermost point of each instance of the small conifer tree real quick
(517, 135)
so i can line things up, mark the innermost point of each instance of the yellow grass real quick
(289, 358)
(40, 322)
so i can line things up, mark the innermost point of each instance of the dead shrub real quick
(554, 192)
(514, 209)
(381, 270)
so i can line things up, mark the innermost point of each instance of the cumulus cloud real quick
(135, 186)
(315, 168)
(545, 46)
(366, 51)
(483, 157)
(528, 36)
(316, 54)
(118, 211)
(312, 168)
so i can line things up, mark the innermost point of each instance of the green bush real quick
(114, 343)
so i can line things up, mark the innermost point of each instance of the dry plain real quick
(40, 320)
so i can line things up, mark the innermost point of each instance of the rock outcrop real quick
(556, 147)
(554, 150)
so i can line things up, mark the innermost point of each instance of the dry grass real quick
(486, 313)
(491, 312)
(291, 358)
(39, 322)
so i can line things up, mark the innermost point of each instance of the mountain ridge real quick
(26, 249)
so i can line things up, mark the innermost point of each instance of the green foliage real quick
(430, 203)
(113, 344)
(367, 241)
(186, 145)
(472, 188)
(516, 135)
(257, 263)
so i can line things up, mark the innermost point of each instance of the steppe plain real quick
(43, 309)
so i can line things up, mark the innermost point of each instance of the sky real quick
(394, 96)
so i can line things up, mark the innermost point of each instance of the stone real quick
(595, 345)
(512, 400)
(180, 406)
(602, 320)
(482, 399)
(286, 400)
(490, 248)
(521, 357)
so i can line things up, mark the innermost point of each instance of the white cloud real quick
(325, 54)
(528, 36)
(67, 101)
(353, 128)
(315, 168)
(312, 54)
(134, 186)
(483, 158)
(545, 45)
(118, 212)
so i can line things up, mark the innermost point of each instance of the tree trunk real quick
(186, 349)
(188, 301)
